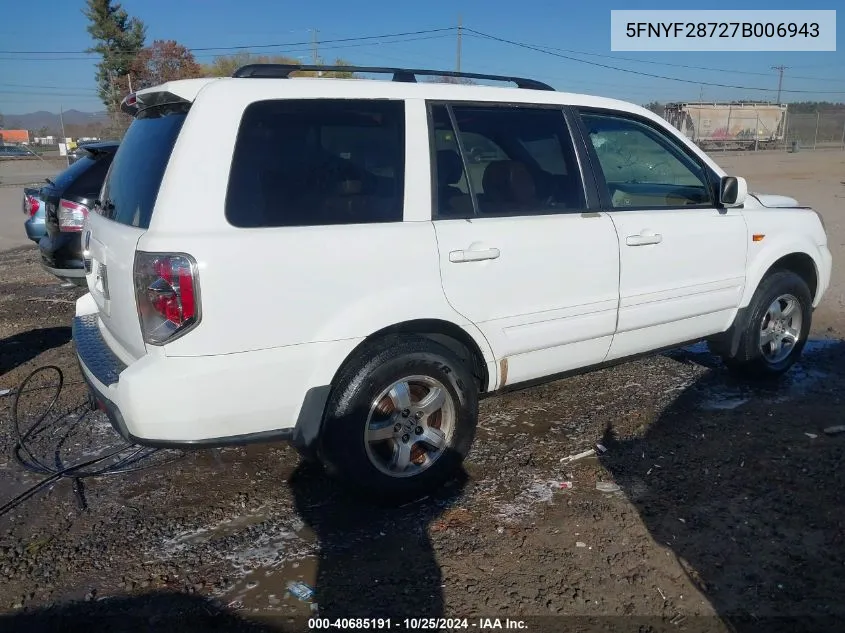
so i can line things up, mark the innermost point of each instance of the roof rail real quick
(283, 71)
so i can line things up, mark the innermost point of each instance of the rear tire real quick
(777, 323)
(400, 420)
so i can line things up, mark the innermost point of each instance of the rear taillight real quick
(167, 294)
(71, 216)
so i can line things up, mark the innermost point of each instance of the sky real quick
(31, 81)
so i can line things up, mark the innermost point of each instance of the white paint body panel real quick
(694, 274)
(283, 308)
(539, 293)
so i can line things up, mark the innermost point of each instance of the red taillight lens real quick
(166, 292)
(33, 205)
(71, 215)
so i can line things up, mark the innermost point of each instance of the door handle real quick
(643, 239)
(458, 257)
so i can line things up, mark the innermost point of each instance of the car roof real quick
(323, 87)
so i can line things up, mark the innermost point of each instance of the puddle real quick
(266, 590)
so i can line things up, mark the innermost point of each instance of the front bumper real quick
(199, 401)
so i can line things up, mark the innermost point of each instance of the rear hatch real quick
(71, 195)
(123, 215)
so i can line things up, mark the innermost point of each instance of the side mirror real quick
(733, 191)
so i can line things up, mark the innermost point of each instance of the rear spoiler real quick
(134, 102)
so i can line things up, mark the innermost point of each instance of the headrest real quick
(450, 168)
(509, 181)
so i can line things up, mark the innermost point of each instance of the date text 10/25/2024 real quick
(417, 624)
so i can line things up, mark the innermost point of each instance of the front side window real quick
(318, 162)
(515, 160)
(643, 167)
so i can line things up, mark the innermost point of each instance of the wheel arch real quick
(798, 260)
(447, 333)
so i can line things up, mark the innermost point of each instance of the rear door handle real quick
(643, 239)
(458, 257)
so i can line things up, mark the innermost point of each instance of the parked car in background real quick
(33, 207)
(79, 151)
(67, 200)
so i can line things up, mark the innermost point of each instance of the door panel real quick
(519, 256)
(682, 257)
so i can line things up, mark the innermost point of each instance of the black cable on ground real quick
(122, 459)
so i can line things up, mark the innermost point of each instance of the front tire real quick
(777, 324)
(400, 420)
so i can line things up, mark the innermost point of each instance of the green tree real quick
(118, 39)
(2, 120)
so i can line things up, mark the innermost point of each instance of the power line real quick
(251, 46)
(673, 65)
(638, 72)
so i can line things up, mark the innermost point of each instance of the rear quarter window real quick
(132, 184)
(318, 162)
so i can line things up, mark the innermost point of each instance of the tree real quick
(118, 39)
(165, 60)
(2, 121)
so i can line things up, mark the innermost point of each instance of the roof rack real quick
(409, 75)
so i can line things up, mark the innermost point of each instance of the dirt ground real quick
(726, 514)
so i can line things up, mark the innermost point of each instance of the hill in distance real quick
(42, 118)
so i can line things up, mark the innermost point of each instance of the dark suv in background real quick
(67, 200)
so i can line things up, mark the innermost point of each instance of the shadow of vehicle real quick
(375, 562)
(160, 611)
(743, 485)
(21, 348)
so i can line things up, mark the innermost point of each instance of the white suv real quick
(350, 264)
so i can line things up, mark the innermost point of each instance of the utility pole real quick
(64, 138)
(460, 34)
(129, 78)
(780, 70)
(314, 56)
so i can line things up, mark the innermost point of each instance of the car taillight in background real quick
(32, 205)
(167, 294)
(71, 216)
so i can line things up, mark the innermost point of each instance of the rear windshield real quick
(77, 169)
(132, 184)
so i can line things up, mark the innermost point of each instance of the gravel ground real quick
(720, 509)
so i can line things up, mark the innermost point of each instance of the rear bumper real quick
(203, 401)
(35, 229)
(61, 255)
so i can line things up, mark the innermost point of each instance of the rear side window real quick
(132, 184)
(318, 162)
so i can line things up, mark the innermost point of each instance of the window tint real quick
(520, 160)
(318, 162)
(132, 184)
(66, 178)
(644, 167)
(452, 195)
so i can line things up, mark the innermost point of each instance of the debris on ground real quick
(812, 436)
(565, 485)
(607, 486)
(577, 456)
(834, 430)
(580, 544)
(300, 590)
